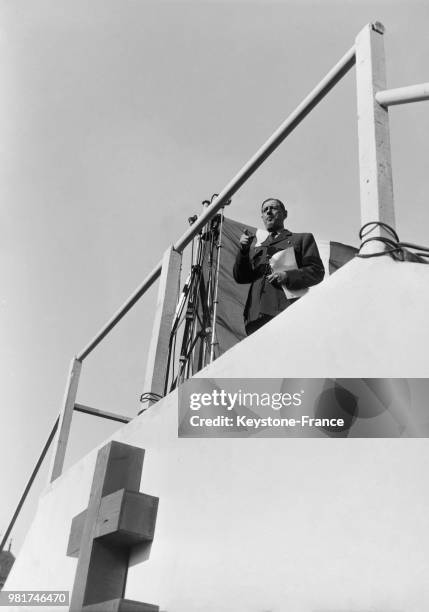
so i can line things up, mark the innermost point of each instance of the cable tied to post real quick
(149, 396)
(398, 250)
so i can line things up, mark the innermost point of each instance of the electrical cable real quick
(398, 250)
(195, 313)
(148, 396)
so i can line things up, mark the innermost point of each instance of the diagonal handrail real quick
(29, 484)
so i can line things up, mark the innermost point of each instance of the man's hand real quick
(246, 240)
(277, 278)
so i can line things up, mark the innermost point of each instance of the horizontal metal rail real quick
(102, 413)
(403, 95)
(292, 121)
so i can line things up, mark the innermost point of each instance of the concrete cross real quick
(117, 518)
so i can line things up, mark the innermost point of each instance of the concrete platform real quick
(258, 525)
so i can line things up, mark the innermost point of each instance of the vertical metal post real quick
(375, 168)
(168, 293)
(213, 341)
(60, 446)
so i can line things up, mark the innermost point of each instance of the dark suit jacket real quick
(264, 298)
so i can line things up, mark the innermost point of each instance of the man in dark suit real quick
(267, 296)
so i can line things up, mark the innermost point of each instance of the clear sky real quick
(117, 118)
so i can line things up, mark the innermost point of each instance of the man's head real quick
(273, 214)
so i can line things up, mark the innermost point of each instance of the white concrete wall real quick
(370, 319)
(258, 525)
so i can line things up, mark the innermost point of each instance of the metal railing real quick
(376, 195)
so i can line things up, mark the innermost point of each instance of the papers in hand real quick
(282, 261)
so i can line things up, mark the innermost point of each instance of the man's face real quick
(273, 216)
